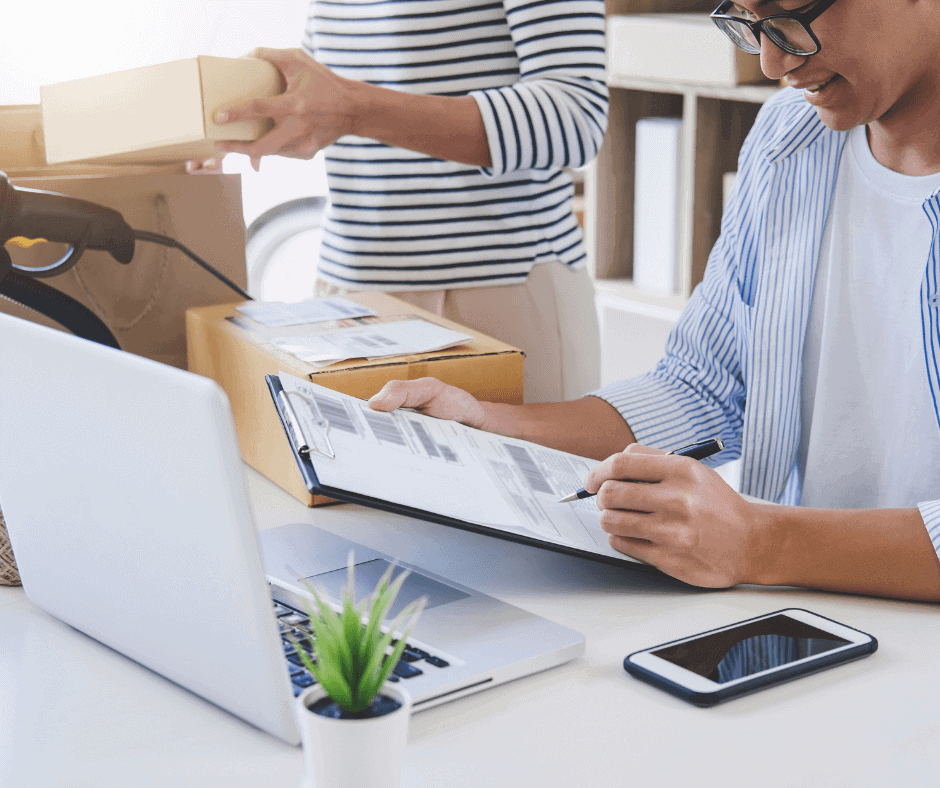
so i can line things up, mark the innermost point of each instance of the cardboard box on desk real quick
(144, 303)
(155, 114)
(677, 48)
(236, 352)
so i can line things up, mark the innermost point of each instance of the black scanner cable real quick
(156, 238)
(54, 304)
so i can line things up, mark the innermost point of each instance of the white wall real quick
(48, 41)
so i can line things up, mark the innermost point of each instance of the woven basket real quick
(9, 575)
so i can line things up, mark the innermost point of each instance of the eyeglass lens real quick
(741, 34)
(784, 32)
(788, 31)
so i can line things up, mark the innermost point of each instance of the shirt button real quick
(934, 300)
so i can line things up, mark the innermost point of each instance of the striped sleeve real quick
(930, 320)
(698, 390)
(555, 115)
(930, 511)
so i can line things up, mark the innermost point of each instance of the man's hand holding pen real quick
(679, 515)
(697, 451)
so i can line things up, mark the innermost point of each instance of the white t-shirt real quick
(869, 435)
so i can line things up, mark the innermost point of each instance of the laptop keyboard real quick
(295, 630)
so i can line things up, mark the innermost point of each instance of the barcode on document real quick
(343, 308)
(530, 471)
(384, 427)
(429, 445)
(372, 341)
(334, 411)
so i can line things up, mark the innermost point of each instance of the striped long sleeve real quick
(401, 220)
(555, 115)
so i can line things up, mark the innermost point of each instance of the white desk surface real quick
(96, 719)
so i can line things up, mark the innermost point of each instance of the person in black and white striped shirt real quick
(448, 128)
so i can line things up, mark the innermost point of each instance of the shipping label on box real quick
(155, 114)
(677, 48)
(237, 352)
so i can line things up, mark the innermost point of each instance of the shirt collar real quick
(802, 129)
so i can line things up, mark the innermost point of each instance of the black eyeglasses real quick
(790, 32)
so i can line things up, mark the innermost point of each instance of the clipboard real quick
(309, 450)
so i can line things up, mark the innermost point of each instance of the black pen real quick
(697, 451)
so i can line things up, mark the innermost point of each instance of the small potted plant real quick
(354, 722)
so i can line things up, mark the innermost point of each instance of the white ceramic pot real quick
(353, 753)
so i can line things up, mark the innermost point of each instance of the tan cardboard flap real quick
(21, 145)
(230, 81)
(23, 153)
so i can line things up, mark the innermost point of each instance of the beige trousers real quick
(551, 317)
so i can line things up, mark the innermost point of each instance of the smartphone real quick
(730, 661)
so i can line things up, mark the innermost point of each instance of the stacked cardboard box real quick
(685, 48)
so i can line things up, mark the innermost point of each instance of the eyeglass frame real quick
(802, 18)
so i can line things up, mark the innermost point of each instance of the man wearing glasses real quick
(811, 348)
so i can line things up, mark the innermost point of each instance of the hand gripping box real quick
(236, 352)
(154, 114)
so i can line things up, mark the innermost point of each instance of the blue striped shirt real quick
(739, 341)
(401, 220)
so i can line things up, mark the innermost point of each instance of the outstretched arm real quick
(318, 107)
(551, 114)
(588, 427)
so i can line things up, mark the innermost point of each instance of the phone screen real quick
(750, 648)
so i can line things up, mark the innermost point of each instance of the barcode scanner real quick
(35, 214)
(29, 216)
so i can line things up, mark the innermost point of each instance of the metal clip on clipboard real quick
(301, 445)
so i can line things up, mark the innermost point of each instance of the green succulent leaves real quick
(350, 645)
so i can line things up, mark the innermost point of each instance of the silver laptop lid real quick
(123, 490)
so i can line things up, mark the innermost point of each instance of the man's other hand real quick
(433, 398)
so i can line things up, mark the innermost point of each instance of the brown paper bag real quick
(144, 303)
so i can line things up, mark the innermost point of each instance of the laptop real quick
(126, 502)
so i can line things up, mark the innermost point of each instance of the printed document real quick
(376, 340)
(446, 468)
(313, 310)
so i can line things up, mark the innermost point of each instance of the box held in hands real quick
(154, 114)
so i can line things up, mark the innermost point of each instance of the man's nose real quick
(774, 62)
